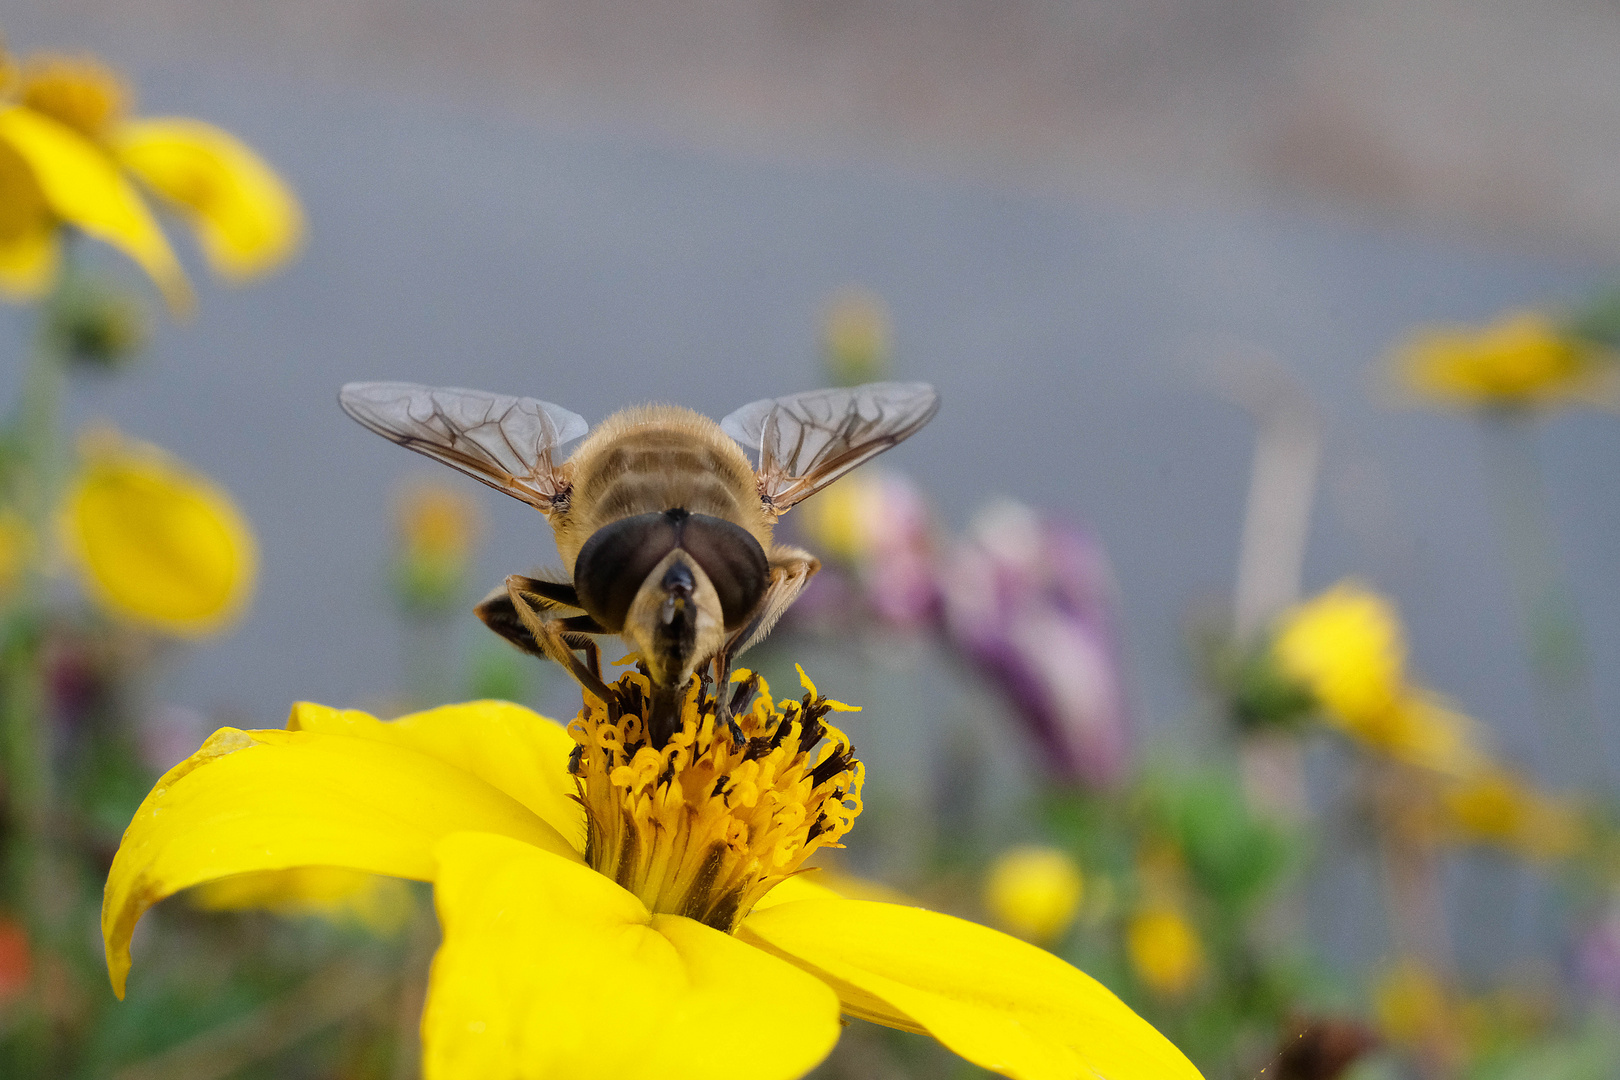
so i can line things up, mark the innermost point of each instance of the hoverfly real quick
(663, 524)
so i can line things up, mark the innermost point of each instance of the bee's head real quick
(673, 584)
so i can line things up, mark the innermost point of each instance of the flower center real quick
(703, 826)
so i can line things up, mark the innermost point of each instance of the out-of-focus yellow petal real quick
(995, 1000)
(268, 800)
(246, 217)
(513, 749)
(335, 893)
(1347, 646)
(29, 250)
(158, 543)
(549, 969)
(84, 187)
(78, 91)
(1034, 892)
(1423, 729)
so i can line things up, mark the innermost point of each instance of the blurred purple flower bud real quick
(899, 571)
(1030, 603)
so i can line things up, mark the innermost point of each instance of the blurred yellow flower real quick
(613, 909)
(65, 147)
(1347, 647)
(335, 893)
(154, 541)
(839, 519)
(1164, 950)
(1414, 1008)
(1034, 892)
(437, 526)
(855, 337)
(1524, 358)
(1496, 807)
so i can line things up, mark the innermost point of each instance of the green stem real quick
(1559, 665)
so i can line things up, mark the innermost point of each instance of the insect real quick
(663, 524)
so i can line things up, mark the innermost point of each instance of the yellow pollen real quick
(703, 827)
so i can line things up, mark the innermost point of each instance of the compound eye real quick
(615, 562)
(734, 561)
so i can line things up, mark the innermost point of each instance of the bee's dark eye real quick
(616, 560)
(734, 561)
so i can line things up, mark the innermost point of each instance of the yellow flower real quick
(65, 148)
(1496, 807)
(1034, 892)
(615, 909)
(839, 519)
(380, 904)
(1347, 647)
(1164, 950)
(855, 337)
(437, 526)
(1413, 1007)
(154, 541)
(1524, 358)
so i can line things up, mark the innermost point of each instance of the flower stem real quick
(1552, 627)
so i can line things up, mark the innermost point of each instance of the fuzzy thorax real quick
(703, 827)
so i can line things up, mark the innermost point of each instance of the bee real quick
(663, 524)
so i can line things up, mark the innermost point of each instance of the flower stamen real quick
(704, 826)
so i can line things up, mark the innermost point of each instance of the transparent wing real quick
(806, 441)
(504, 441)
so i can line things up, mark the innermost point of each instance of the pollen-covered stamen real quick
(704, 826)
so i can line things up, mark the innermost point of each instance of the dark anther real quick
(576, 757)
(720, 786)
(834, 765)
(737, 736)
(811, 733)
(669, 771)
(744, 693)
(818, 827)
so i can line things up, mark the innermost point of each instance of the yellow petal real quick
(507, 746)
(246, 218)
(268, 800)
(335, 893)
(549, 969)
(157, 543)
(29, 249)
(83, 187)
(28, 262)
(993, 999)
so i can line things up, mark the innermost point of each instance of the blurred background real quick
(1163, 261)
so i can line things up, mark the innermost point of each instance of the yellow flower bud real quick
(155, 542)
(1034, 892)
(1164, 950)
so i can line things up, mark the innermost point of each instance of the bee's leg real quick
(554, 593)
(593, 657)
(722, 697)
(791, 570)
(549, 641)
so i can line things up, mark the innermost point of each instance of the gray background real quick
(601, 212)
